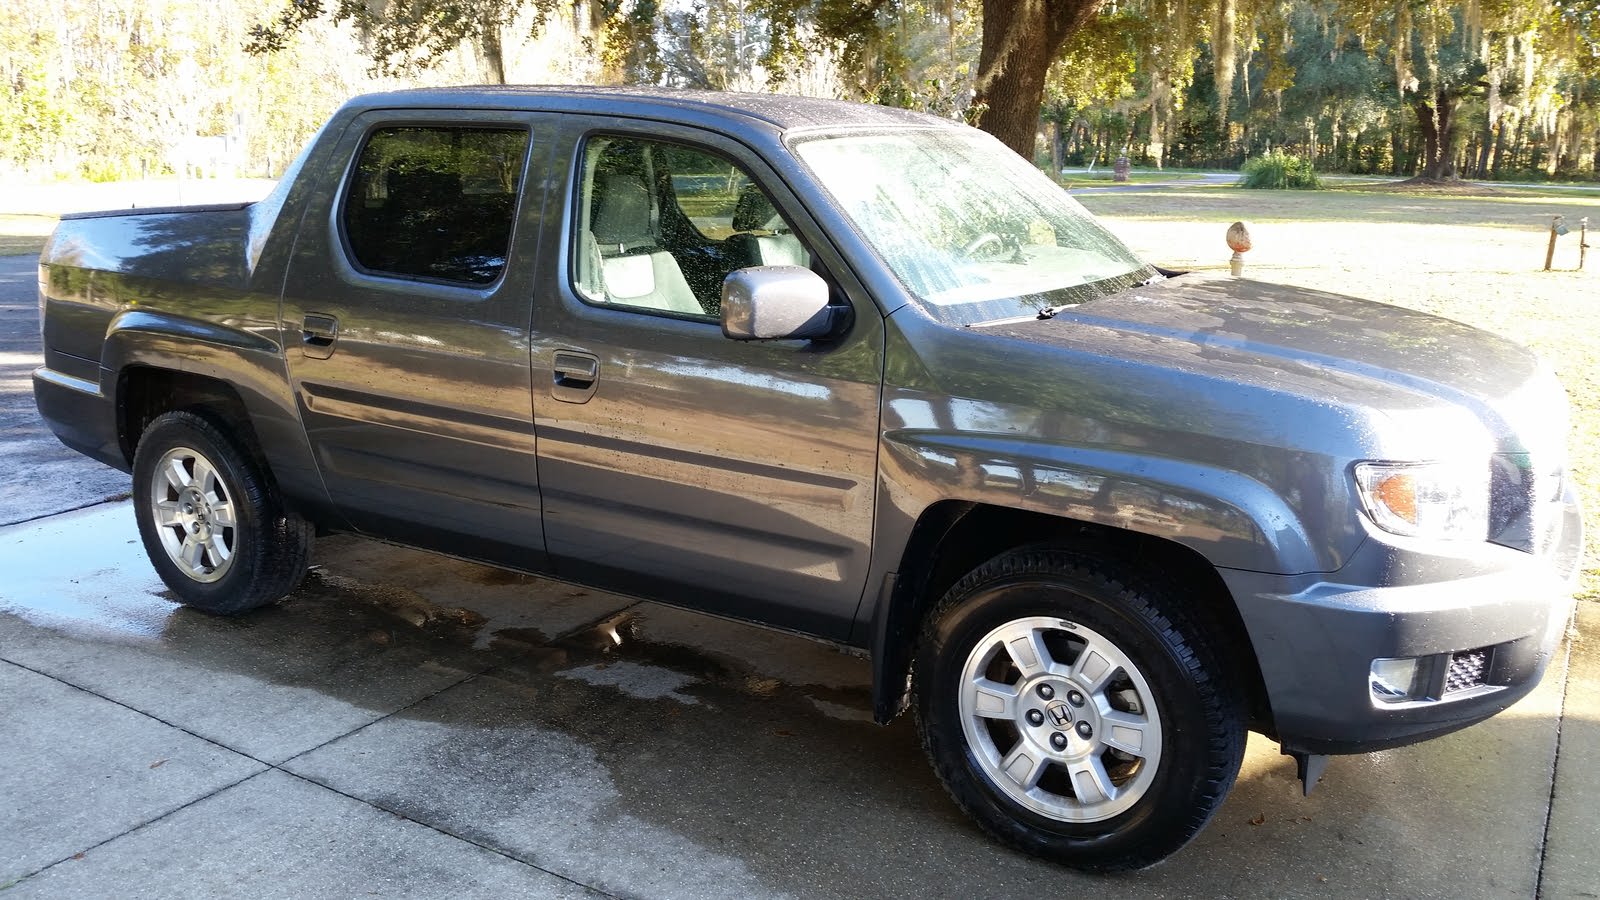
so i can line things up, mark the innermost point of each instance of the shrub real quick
(1280, 171)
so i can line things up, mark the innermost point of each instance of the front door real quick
(675, 463)
(406, 314)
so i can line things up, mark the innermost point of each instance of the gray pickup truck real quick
(852, 372)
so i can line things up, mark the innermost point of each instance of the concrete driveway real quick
(408, 725)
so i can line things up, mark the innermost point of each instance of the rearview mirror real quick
(775, 302)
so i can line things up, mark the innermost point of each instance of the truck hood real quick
(1321, 345)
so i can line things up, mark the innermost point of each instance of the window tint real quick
(661, 225)
(435, 202)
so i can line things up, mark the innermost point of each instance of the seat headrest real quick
(621, 215)
(755, 212)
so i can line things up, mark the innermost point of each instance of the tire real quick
(211, 518)
(1123, 737)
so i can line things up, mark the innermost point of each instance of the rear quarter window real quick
(435, 202)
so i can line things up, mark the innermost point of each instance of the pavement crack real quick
(139, 827)
(134, 709)
(439, 829)
(279, 767)
(383, 718)
(1555, 768)
(113, 498)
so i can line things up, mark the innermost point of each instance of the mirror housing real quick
(766, 303)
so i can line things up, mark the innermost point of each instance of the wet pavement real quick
(409, 725)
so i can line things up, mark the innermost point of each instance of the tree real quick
(406, 36)
(1021, 39)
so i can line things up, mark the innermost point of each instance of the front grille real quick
(1468, 669)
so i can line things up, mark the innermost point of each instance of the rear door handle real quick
(318, 333)
(576, 375)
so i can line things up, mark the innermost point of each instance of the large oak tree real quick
(1020, 39)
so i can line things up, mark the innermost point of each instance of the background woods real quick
(1483, 88)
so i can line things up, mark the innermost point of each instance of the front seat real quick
(764, 238)
(634, 269)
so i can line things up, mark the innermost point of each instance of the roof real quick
(782, 111)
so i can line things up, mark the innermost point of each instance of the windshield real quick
(972, 230)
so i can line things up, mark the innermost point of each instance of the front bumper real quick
(1315, 638)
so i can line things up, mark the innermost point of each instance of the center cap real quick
(1060, 713)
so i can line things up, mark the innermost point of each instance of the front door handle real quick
(318, 334)
(576, 375)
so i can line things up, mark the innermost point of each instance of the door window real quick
(661, 225)
(435, 202)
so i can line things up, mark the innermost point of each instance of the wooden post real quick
(1550, 253)
(1583, 240)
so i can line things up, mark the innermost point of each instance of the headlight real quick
(1433, 500)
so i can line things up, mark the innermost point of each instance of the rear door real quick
(406, 311)
(675, 463)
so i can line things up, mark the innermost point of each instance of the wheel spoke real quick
(217, 550)
(189, 553)
(1028, 653)
(993, 700)
(205, 477)
(222, 515)
(167, 513)
(1090, 781)
(1024, 765)
(1093, 669)
(1125, 731)
(1066, 665)
(177, 475)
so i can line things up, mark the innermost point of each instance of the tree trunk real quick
(1499, 153)
(1491, 134)
(1437, 121)
(1021, 38)
(493, 51)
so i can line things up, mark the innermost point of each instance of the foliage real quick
(1280, 171)
(1492, 88)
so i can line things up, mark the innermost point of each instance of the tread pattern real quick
(1151, 597)
(277, 552)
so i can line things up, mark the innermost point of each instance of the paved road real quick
(407, 725)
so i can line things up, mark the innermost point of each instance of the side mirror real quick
(775, 302)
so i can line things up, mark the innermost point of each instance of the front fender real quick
(1231, 519)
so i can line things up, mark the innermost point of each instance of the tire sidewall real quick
(1137, 631)
(187, 429)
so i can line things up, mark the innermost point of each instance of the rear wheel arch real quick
(952, 538)
(145, 392)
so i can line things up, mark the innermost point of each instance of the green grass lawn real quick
(24, 234)
(1475, 259)
(1105, 177)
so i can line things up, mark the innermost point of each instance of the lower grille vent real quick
(1468, 669)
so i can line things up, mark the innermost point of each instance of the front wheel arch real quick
(951, 538)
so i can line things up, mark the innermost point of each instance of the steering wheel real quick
(975, 247)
